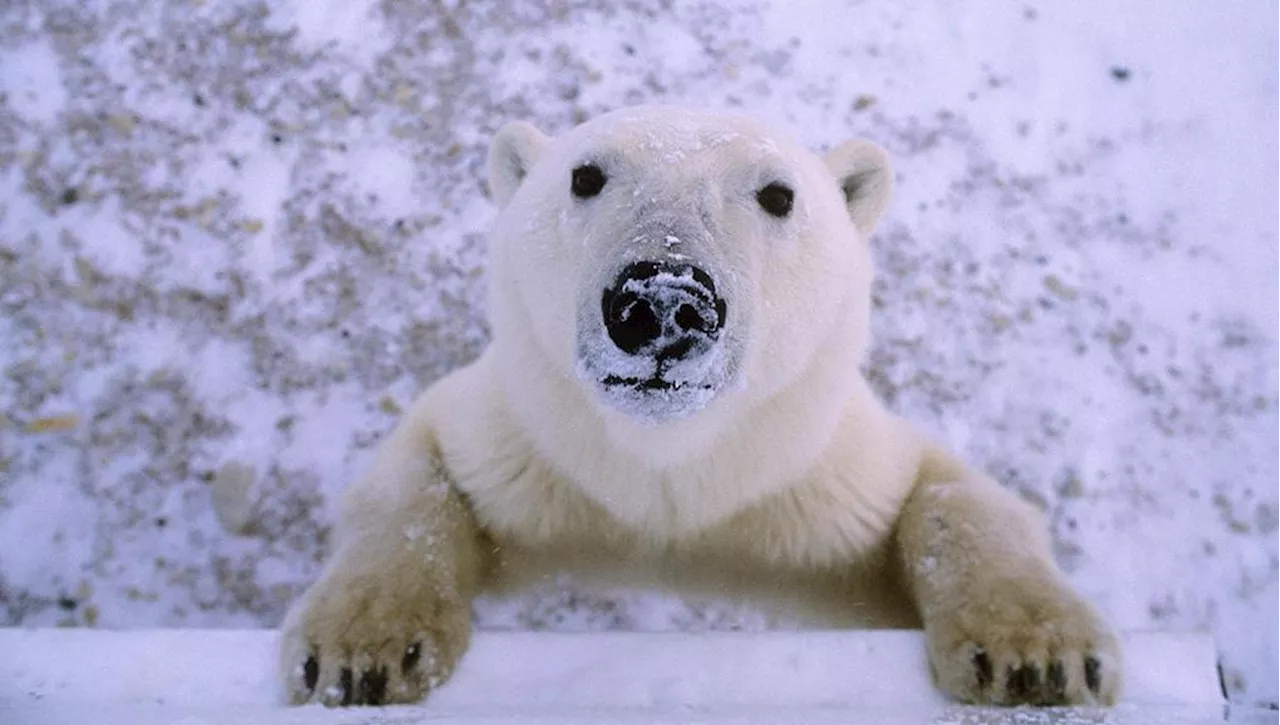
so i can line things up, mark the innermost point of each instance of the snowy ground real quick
(236, 237)
(50, 676)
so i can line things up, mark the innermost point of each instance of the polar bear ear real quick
(862, 169)
(514, 150)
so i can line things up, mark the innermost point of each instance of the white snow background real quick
(237, 237)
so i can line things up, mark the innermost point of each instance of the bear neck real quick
(681, 477)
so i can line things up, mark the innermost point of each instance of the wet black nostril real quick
(704, 279)
(631, 322)
(687, 318)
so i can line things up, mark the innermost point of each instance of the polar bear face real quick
(679, 264)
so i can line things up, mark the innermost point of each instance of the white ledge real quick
(216, 676)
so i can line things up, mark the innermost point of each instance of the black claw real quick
(982, 663)
(1057, 680)
(1013, 682)
(344, 681)
(1023, 681)
(310, 672)
(412, 654)
(1093, 674)
(373, 686)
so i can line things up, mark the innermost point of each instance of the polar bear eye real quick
(588, 180)
(776, 199)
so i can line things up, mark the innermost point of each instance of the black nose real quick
(666, 310)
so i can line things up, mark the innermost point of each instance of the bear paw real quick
(360, 639)
(1023, 643)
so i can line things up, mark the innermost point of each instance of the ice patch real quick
(266, 187)
(351, 27)
(386, 173)
(108, 245)
(48, 515)
(31, 82)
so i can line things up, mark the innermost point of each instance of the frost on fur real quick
(658, 354)
(673, 395)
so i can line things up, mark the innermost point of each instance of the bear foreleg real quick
(1002, 624)
(390, 614)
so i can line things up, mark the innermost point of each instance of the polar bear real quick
(679, 303)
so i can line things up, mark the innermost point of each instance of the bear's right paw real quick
(363, 638)
(1015, 642)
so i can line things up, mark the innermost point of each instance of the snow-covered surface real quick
(218, 673)
(237, 236)
(82, 714)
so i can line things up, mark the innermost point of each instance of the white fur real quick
(782, 471)
(767, 429)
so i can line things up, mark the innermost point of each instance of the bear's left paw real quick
(1018, 642)
(371, 631)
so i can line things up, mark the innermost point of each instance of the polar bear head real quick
(678, 265)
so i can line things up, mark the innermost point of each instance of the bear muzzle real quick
(663, 310)
(659, 345)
